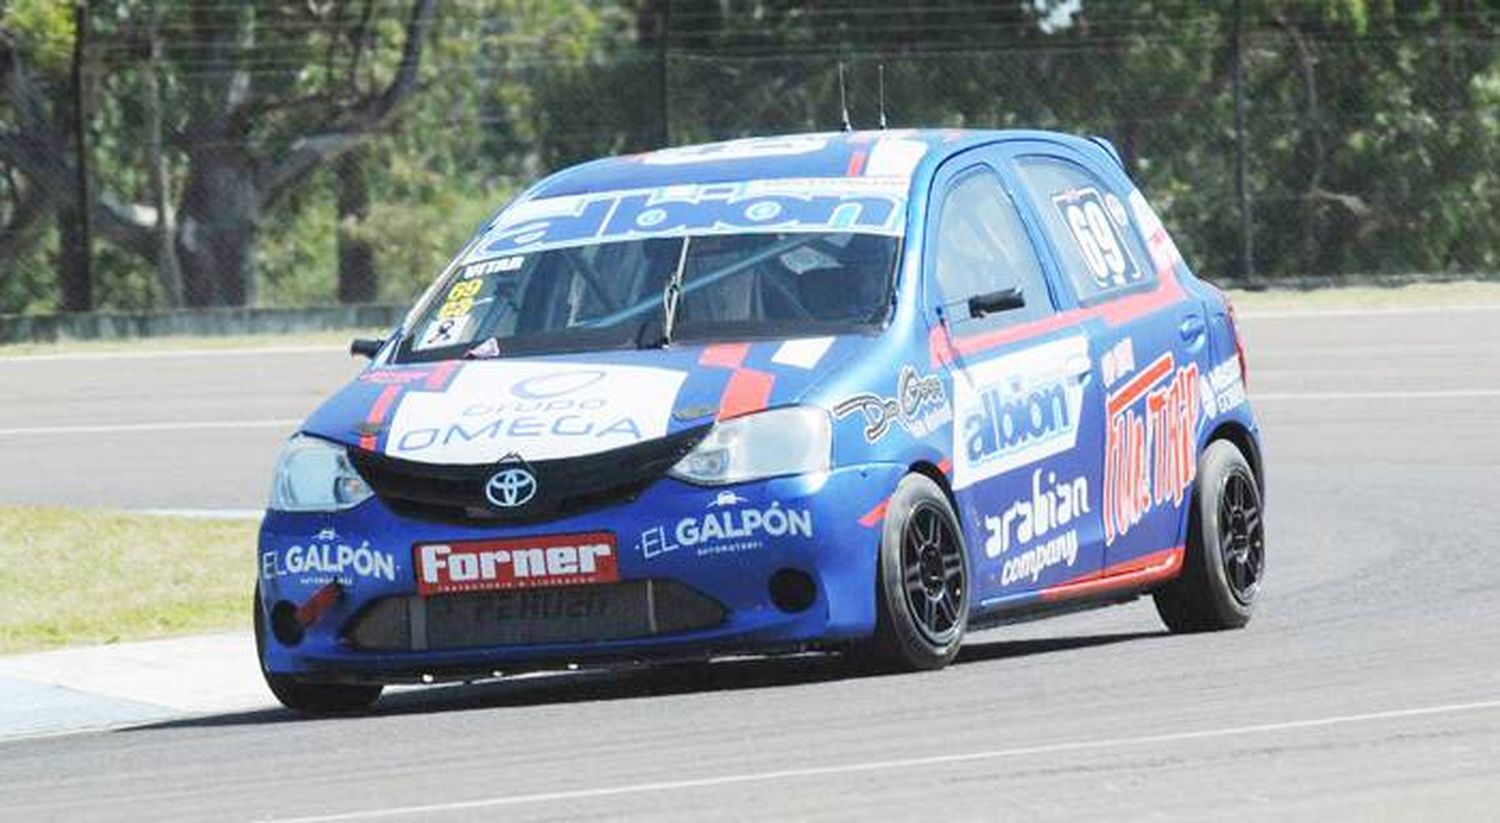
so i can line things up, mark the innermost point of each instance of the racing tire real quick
(309, 698)
(922, 591)
(1226, 548)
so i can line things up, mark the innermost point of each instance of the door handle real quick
(1192, 327)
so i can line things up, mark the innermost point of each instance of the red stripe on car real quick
(875, 515)
(725, 355)
(747, 391)
(1162, 565)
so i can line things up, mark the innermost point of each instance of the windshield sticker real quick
(488, 267)
(444, 332)
(859, 205)
(540, 411)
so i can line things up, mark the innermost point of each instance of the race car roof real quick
(892, 153)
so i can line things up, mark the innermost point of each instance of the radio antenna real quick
(882, 97)
(843, 99)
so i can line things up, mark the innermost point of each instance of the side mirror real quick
(996, 301)
(366, 347)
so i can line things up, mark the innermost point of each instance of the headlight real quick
(314, 475)
(793, 440)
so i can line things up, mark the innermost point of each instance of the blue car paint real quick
(849, 378)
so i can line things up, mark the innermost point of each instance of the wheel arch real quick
(1240, 436)
(937, 475)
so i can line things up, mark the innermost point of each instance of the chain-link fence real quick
(278, 154)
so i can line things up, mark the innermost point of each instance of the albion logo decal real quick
(1150, 456)
(526, 563)
(1016, 410)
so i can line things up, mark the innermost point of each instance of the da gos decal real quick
(727, 527)
(541, 411)
(1037, 528)
(862, 205)
(1151, 453)
(1016, 410)
(920, 406)
(327, 558)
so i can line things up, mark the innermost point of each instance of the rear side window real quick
(1089, 226)
(982, 247)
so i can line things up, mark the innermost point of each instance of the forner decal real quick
(1016, 410)
(540, 411)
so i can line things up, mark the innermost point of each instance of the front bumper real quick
(370, 552)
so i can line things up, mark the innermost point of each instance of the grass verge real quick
(75, 576)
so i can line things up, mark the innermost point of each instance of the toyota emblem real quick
(509, 488)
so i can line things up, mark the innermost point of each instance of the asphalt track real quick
(1368, 687)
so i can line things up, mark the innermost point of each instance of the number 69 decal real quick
(1098, 237)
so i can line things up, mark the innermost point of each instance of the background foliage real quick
(301, 152)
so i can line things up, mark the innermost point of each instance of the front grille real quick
(568, 486)
(567, 614)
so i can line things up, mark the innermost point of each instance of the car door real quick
(1145, 341)
(1019, 381)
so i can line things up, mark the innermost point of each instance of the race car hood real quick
(545, 408)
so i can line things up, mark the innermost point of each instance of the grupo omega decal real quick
(538, 410)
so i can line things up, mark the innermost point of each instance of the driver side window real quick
(982, 247)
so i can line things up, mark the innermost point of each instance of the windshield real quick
(611, 295)
(640, 268)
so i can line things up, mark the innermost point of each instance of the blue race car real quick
(859, 391)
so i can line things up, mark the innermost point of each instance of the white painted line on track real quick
(170, 354)
(1304, 314)
(895, 765)
(1457, 394)
(125, 428)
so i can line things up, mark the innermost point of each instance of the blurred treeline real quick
(304, 152)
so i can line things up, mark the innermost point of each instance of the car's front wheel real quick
(922, 592)
(302, 696)
(1226, 548)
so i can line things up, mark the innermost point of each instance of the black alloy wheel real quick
(922, 581)
(1226, 548)
(1242, 536)
(933, 570)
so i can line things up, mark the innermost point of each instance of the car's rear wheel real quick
(922, 594)
(301, 696)
(1226, 548)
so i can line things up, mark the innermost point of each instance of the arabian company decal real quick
(541, 411)
(1037, 528)
(920, 406)
(1150, 455)
(727, 527)
(1016, 410)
